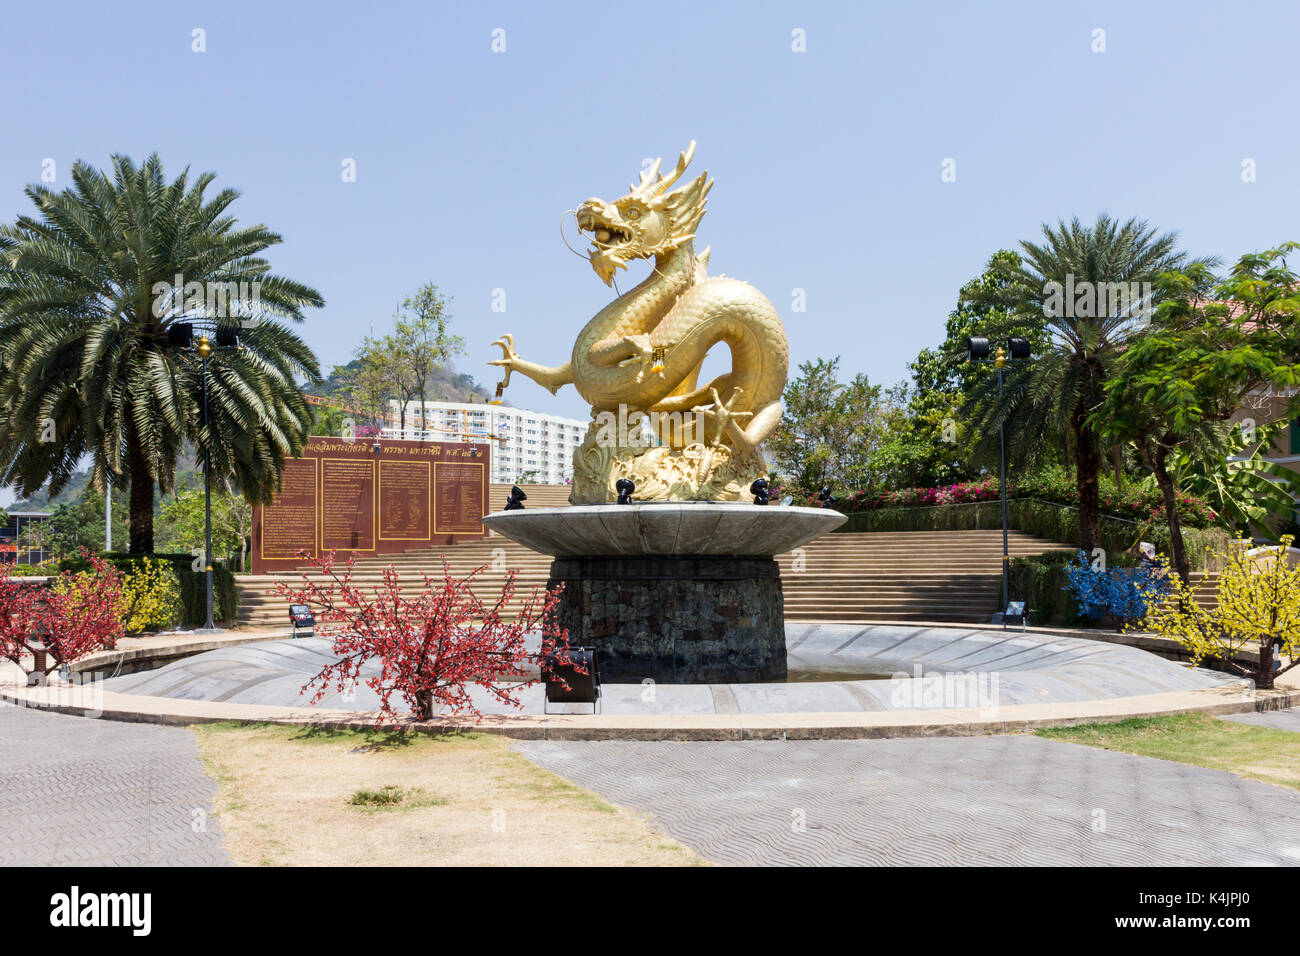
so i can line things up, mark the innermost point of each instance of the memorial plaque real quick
(347, 520)
(367, 497)
(459, 498)
(405, 496)
(289, 523)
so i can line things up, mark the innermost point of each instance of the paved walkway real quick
(1011, 800)
(75, 791)
(1277, 719)
(96, 792)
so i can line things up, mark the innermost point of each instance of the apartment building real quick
(527, 446)
(1261, 407)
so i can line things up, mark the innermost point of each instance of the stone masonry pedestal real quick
(679, 592)
(675, 619)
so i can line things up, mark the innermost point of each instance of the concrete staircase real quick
(1207, 585)
(899, 576)
(539, 496)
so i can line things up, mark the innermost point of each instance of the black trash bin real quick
(581, 689)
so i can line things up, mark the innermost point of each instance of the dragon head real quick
(649, 221)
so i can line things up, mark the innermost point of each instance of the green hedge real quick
(194, 611)
(1044, 519)
(1040, 582)
(32, 570)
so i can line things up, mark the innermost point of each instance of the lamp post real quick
(180, 335)
(978, 349)
(205, 349)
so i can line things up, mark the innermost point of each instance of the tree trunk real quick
(424, 412)
(1264, 673)
(142, 487)
(1178, 553)
(424, 705)
(1087, 477)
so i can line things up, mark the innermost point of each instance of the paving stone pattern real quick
(1010, 800)
(82, 792)
(1277, 719)
(90, 792)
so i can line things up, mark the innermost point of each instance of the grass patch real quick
(1260, 753)
(307, 796)
(391, 796)
(552, 788)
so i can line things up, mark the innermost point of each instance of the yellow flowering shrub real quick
(1258, 604)
(152, 597)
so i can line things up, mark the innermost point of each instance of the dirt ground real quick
(285, 797)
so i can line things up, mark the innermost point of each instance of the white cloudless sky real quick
(827, 162)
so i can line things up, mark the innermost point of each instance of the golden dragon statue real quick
(637, 362)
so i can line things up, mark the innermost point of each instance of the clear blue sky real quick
(827, 162)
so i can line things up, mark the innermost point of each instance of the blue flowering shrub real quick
(1121, 594)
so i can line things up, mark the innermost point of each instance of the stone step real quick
(910, 556)
(905, 575)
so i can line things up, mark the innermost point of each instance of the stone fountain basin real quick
(664, 528)
(961, 663)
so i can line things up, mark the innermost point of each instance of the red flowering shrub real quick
(78, 614)
(960, 493)
(433, 644)
(1136, 504)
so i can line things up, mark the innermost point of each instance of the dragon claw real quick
(508, 357)
(727, 419)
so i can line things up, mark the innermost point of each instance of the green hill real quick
(444, 385)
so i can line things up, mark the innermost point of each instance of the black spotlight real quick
(227, 336)
(516, 500)
(625, 487)
(180, 334)
(581, 688)
(977, 347)
(760, 491)
(826, 498)
(1018, 348)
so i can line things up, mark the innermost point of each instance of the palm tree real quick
(88, 300)
(1062, 386)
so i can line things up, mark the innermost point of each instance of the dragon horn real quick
(647, 177)
(684, 160)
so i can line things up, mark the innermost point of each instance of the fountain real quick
(681, 592)
(669, 571)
